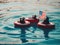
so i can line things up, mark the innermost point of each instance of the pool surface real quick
(11, 12)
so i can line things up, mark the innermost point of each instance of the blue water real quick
(10, 34)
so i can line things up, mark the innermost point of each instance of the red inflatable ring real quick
(32, 20)
(49, 26)
(18, 24)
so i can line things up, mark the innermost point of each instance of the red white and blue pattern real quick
(42, 15)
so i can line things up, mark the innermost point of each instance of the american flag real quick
(42, 15)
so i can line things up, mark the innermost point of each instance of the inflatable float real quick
(49, 26)
(32, 20)
(17, 24)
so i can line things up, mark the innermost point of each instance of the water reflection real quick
(23, 34)
(46, 31)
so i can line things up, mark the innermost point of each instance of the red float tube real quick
(32, 20)
(49, 26)
(17, 24)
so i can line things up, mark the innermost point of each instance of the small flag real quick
(42, 15)
(40, 12)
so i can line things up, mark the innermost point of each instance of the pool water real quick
(10, 34)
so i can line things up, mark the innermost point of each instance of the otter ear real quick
(35, 15)
(47, 17)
